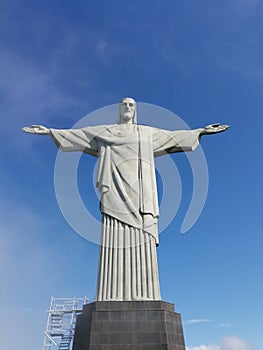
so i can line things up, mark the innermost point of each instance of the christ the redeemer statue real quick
(128, 196)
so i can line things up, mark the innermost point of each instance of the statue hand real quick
(36, 129)
(214, 128)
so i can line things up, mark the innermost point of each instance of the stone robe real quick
(128, 201)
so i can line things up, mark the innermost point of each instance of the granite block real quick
(129, 325)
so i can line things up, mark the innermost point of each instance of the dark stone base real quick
(129, 325)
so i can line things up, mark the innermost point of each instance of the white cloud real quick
(235, 343)
(204, 347)
(227, 343)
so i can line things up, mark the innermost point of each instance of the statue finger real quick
(36, 126)
(216, 125)
(28, 129)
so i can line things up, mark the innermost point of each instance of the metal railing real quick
(61, 322)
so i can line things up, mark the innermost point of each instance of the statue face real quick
(127, 110)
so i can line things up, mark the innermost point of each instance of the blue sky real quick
(61, 60)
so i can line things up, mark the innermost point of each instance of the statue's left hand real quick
(214, 128)
(36, 129)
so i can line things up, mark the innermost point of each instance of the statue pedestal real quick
(123, 325)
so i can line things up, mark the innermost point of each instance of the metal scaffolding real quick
(61, 322)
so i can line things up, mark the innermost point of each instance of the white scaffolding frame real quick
(61, 322)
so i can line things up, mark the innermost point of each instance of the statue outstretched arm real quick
(36, 129)
(165, 141)
(70, 140)
(213, 129)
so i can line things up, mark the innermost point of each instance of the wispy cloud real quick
(204, 320)
(232, 45)
(222, 325)
(25, 85)
(245, 8)
(197, 320)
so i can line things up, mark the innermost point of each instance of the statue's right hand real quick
(36, 129)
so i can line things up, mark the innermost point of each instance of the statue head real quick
(127, 111)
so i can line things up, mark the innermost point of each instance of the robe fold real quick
(128, 196)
